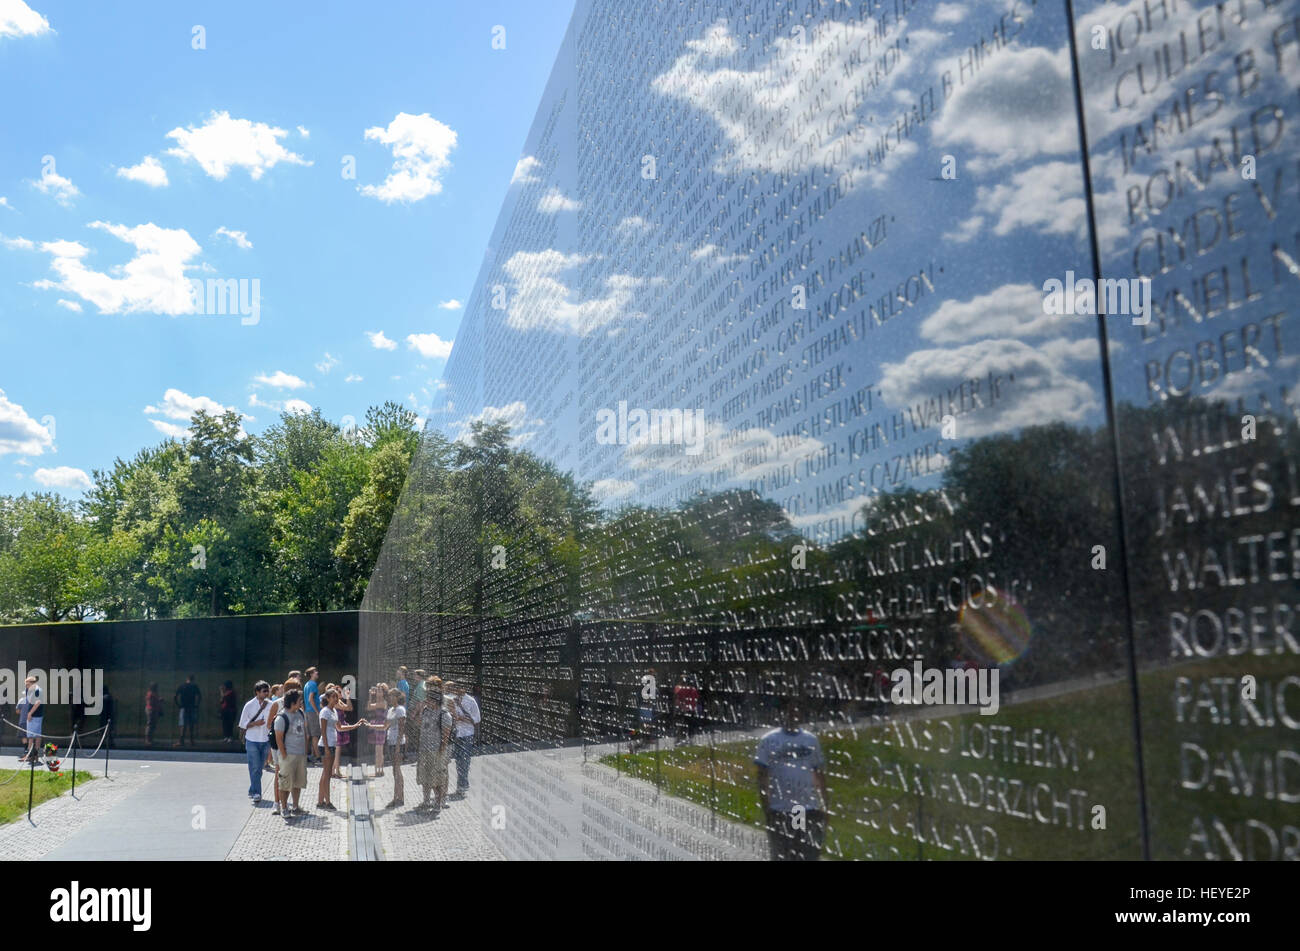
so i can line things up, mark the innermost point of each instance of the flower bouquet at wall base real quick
(48, 750)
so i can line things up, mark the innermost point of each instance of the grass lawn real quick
(13, 794)
(943, 789)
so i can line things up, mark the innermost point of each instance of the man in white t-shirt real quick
(465, 714)
(257, 739)
(792, 788)
(33, 712)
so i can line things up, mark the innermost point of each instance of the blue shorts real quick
(34, 728)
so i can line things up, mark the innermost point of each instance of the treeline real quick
(220, 523)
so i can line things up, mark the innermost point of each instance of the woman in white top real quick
(396, 721)
(328, 743)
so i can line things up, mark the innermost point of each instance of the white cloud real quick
(604, 490)
(280, 406)
(539, 299)
(421, 146)
(223, 143)
(149, 172)
(18, 19)
(452, 304)
(353, 378)
(238, 237)
(554, 201)
(62, 477)
(23, 462)
(515, 414)
(170, 429)
(715, 255)
(177, 404)
(524, 168)
(1013, 310)
(773, 97)
(71, 305)
(632, 224)
(304, 132)
(19, 433)
(1035, 388)
(379, 341)
(4, 203)
(281, 380)
(949, 13)
(153, 281)
(429, 345)
(327, 363)
(180, 406)
(17, 244)
(1022, 107)
(1046, 198)
(55, 185)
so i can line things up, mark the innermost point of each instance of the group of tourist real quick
(291, 726)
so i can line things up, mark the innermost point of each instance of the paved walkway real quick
(550, 804)
(165, 807)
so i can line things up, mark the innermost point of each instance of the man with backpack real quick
(252, 720)
(291, 740)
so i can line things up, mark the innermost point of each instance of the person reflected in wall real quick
(436, 745)
(346, 720)
(414, 721)
(347, 724)
(188, 697)
(402, 684)
(395, 721)
(153, 704)
(108, 716)
(376, 710)
(226, 709)
(467, 717)
(792, 787)
(686, 704)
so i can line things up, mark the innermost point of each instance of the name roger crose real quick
(933, 686)
(59, 687)
(656, 427)
(102, 904)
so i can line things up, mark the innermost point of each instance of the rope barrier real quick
(104, 728)
(49, 736)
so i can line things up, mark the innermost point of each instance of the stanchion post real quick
(108, 730)
(74, 763)
(31, 787)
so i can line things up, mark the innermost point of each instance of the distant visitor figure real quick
(188, 696)
(792, 788)
(226, 707)
(153, 704)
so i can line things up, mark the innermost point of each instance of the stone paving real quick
(57, 820)
(316, 834)
(459, 833)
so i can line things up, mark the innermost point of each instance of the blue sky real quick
(101, 351)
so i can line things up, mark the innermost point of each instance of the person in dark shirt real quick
(188, 696)
(108, 715)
